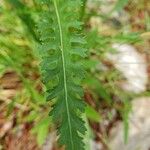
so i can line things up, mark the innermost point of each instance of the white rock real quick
(91, 4)
(139, 128)
(96, 146)
(49, 143)
(132, 65)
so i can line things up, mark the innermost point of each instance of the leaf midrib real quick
(64, 70)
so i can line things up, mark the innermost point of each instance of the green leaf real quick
(98, 87)
(31, 116)
(92, 114)
(125, 112)
(42, 130)
(23, 13)
(62, 42)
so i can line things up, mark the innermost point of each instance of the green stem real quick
(82, 13)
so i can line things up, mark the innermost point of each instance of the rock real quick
(100, 6)
(132, 65)
(49, 143)
(95, 145)
(139, 128)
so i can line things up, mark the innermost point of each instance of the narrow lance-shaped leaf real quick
(61, 50)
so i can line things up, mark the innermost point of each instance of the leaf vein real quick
(64, 71)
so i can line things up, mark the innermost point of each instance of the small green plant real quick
(62, 48)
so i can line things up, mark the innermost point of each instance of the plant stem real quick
(82, 13)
